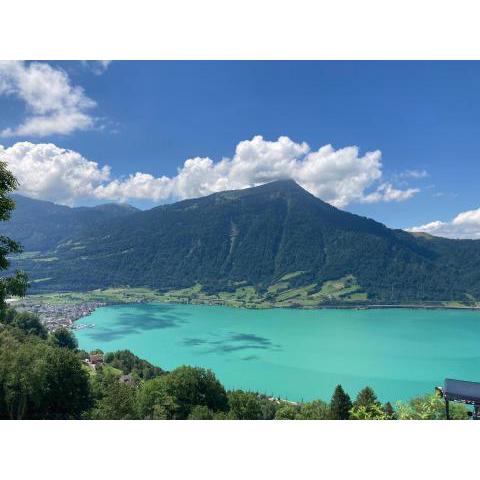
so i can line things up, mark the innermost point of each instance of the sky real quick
(395, 141)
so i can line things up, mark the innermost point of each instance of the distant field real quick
(343, 292)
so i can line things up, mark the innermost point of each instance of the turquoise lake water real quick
(298, 354)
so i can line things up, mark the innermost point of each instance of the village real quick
(54, 316)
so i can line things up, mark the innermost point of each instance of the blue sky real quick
(150, 117)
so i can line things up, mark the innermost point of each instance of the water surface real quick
(298, 354)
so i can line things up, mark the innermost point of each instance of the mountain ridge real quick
(255, 237)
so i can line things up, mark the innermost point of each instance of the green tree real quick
(245, 406)
(127, 362)
(117, 402)
(340, 404)
(153, 401)
(286, 411)
(64, 338)
(191, 386)
(16, 284)
(316, 410)
(366, 397)
(25, 321)
(201, 412)
(174, 395)
(40, 381)
(429, 407)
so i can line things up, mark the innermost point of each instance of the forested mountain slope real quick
(275, 238)
(40, 225)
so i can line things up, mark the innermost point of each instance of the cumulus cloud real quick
(337, 176)
(54, 105)
(464, 225)
(48, 172)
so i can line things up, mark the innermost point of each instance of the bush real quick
(429, 407)
(369, 412)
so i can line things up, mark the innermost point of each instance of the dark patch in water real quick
(233, 343)
(145, 318)
(193, 342)
(251, 357)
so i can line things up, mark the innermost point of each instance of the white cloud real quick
(54, 105)
(48, 172)
(337, 176)
(464, 225)
(413, 174)
(388, 193)
(98, 67)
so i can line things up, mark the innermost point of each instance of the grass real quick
(343, 291)
(280, 294)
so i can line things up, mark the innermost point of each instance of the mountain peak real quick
(285, 186)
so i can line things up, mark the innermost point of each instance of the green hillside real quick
(275, 243)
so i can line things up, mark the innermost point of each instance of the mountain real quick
(40, 225)
(276, 239)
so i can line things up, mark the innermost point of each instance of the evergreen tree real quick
(366, 397)
(340, 404)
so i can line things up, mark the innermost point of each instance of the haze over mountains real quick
(272, 235)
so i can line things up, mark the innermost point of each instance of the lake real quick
(298, 354)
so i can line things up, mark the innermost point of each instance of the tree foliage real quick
(129, 363)
(15, 284)
(340, 404)
(64, 338)
(174, 395)
(429, 407)
(40, 381)
(25, 321)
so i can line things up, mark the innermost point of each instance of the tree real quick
(340, 404)
(244, 406)
(16, 284)
(127, 362)
(153, 401)
(366, 397)
(25, 321)
(174, 395)
(191, 386)
(40, 381)
(116, 403)
(286, 411)
(201, 412)
(316, 410)
(64, 338)
(373, 411)
(429, 407)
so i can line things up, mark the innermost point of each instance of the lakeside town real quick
(54, 316)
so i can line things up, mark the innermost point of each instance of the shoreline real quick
(69, 311)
